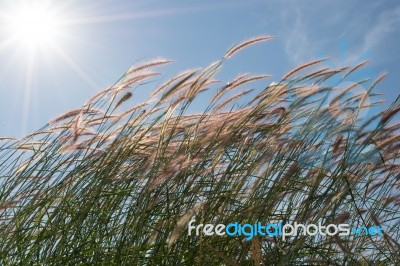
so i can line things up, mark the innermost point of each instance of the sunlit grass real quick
(113, 183)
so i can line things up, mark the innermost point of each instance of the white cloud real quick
(387, 23)
(320, 26)
(296, 39)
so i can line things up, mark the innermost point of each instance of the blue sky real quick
(101, 39)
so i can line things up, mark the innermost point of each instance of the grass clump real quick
(112, 183)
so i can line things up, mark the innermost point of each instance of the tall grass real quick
(113, 183)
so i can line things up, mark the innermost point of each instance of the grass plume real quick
(120, 184)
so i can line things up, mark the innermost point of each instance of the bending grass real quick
(115, 184)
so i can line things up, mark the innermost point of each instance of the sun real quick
(33, 25)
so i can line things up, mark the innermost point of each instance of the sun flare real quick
(33, 26)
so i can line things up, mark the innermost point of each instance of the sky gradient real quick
(101, 39)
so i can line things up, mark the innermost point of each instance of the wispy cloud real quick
(297, 39)
(157, 13)
(321, 27)
(387, 23)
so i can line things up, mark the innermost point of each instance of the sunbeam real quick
(71, 62)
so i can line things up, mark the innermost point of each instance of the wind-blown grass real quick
(113, 183)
